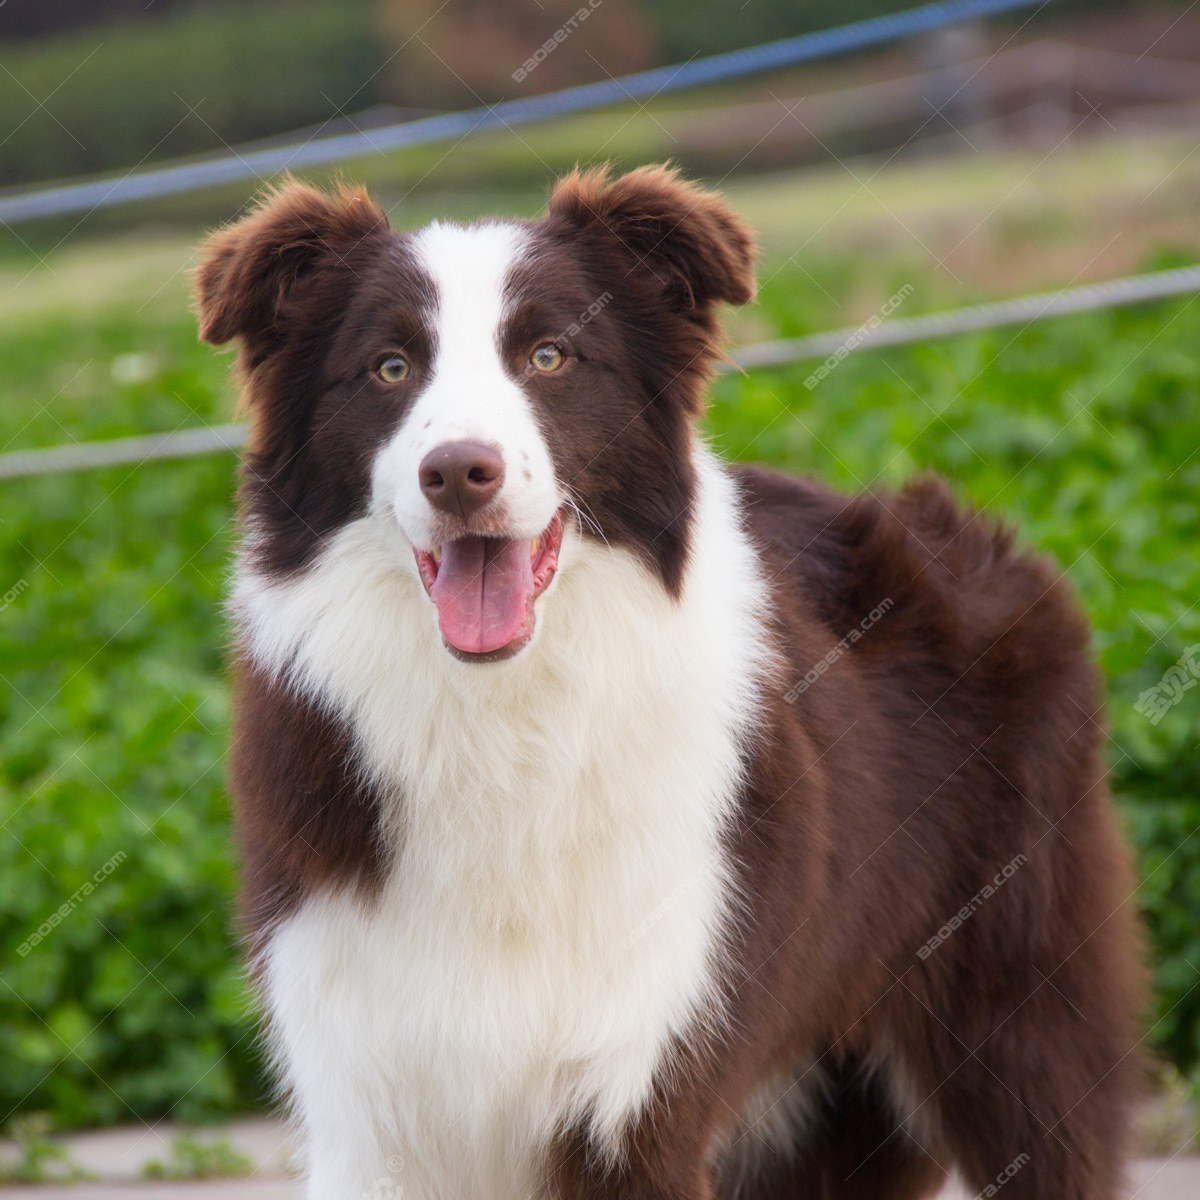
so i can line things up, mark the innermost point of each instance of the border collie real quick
(615, 822)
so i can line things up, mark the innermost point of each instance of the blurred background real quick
(1045, 149)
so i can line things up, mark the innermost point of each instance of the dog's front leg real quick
(344, 1162)
(343, 1155)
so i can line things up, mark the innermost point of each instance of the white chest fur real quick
(559, 888)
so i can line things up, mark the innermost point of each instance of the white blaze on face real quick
(470, 395)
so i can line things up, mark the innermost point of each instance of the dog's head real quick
(482, 390)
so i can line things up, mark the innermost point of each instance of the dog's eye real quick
(393, 369)
(546, 358)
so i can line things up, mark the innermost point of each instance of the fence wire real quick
(173, 179)
(1022, 310)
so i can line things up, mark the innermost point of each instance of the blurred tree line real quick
(95, 85)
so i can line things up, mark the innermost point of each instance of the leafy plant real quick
(192, 1158)
(40, 1157)
(1170, 1125)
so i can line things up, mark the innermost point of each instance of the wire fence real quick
(1021, 310)
(831, 345)
(835, 343)
(246, 164)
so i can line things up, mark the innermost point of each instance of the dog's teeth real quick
(437, 554)
(534, 546)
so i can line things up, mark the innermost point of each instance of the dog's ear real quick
(688, 237)
(250, 268)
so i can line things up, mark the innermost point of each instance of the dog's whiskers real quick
(584, 517)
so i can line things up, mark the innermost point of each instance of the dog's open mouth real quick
(485, 589)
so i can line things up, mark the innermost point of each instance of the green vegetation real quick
(193, 1158)
(189, 81)
(113, 727)
(1170, 1125)
(37, 1156)
(122, 993)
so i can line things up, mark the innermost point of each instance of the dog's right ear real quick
(251, 268)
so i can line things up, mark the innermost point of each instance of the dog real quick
(615, 822)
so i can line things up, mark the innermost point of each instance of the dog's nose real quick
(461, 477)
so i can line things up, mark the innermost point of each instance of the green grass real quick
(114, 714)
(111, 97)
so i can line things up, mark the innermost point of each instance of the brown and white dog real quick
(617, 823)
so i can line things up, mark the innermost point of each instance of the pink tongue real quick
(483, 592)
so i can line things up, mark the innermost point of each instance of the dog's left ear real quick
(688, 237)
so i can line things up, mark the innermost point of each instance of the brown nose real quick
(461, 477)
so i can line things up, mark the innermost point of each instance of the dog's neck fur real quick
(568, 806)
(616, 662)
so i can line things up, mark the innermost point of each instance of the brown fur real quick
(960, 731)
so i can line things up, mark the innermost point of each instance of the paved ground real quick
(238, 1190)
(1154, 1180)
(116, 1156)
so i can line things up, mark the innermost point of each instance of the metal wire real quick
(173, 179)
(1023, 310)
(1133, 289)
(130, 451)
